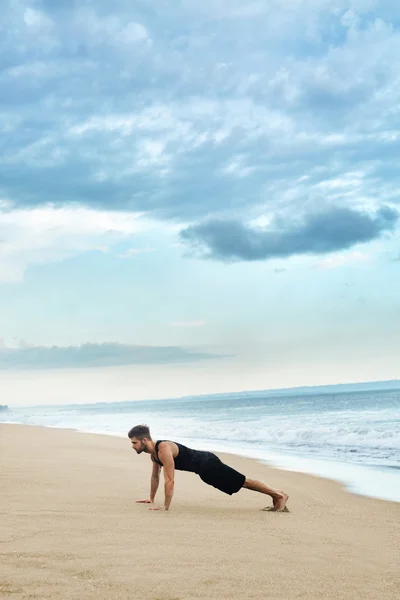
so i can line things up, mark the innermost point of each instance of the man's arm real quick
(167, 459)
(154, 481)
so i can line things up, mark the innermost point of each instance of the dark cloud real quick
(320, 233)
(95, 355)
(198, 109)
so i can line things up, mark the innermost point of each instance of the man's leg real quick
(279, 498)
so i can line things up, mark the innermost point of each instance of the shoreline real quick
(72, 529)
(278, 463)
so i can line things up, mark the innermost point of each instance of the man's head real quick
(140, 438)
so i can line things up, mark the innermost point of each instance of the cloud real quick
(36, 20)
(16, 343)
(200, 110)
(318, 233)
(342, 259)
(29, 357)
(49, 234)
(133, 252)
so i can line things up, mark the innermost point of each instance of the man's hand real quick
(144, 501)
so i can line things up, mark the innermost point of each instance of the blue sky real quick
(197, 197)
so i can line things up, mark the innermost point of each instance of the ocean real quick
(353, 438)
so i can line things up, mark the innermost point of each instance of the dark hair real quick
(140, 432)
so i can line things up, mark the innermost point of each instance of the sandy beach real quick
(71, 529)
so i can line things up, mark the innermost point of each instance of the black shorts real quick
(222, 477)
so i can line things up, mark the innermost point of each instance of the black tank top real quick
(195, 461)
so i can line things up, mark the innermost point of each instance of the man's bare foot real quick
(280, 503)
(272, 509)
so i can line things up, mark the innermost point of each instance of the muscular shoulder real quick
(168, 448)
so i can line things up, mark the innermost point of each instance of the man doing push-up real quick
(174, 456)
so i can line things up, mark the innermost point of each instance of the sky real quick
(197, 197)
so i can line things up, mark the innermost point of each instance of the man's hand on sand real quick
(144, 502)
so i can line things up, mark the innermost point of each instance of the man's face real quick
(138, 445)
